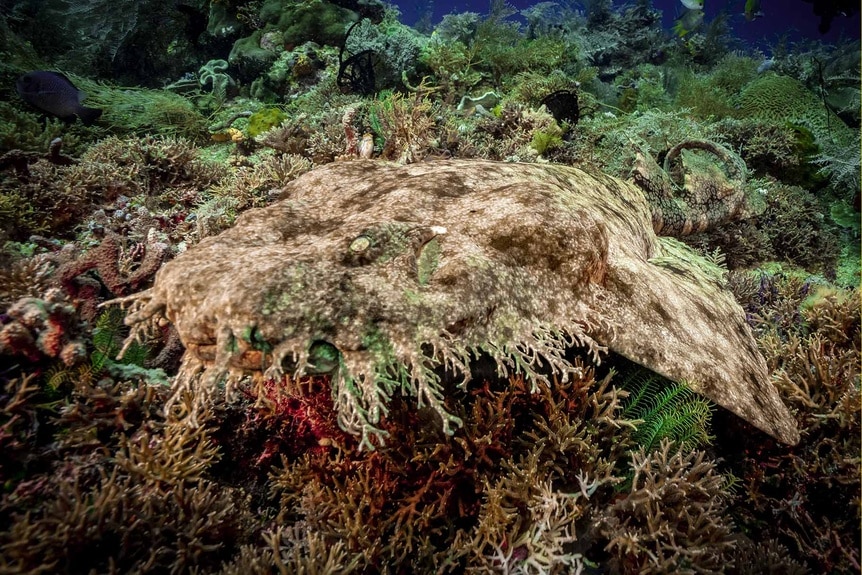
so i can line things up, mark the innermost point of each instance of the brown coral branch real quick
(104, 259)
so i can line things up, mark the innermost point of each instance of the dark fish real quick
(54, 94)
(563, 106)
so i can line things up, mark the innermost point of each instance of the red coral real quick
(38, 328)
(104, 259)
(294, 420)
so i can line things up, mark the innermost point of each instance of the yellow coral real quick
(303, 66)
(229, 135)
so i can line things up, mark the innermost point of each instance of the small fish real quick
(752, 10)
(55, 94)
(765, 65)
(693, 4)
(690, 21)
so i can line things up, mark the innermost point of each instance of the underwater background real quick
(776, 18)
(198, 374)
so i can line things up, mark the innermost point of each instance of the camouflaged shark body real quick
(381, 274)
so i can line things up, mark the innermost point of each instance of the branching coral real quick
(789, 228)
(24, 278)
(406, 125)
(502, 489)
(151, 509)
(516, 134)
(672, 519)
(807, 498)
(52, 197)
(246, 187)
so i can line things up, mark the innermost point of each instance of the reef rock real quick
(389, 276)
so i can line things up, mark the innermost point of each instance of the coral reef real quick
(806, 498)
(419, 359)
(686, 495)
(53, 196)
(397, 298)
(34, 329)
(405, 123)
(781, 99)
(146, 507)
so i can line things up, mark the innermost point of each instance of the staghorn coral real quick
(18, 418)
(293, 549)
(375, 275)
(244, 188)
(22, 130)
(766, 557)
(120, 490)
(793, 221)
(806, 498)
(53, 197)
(672, 518)
(29, 277)
(502, 489)
(765, 147)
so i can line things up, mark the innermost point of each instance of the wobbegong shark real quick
(386, 276)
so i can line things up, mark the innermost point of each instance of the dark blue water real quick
(790, 19)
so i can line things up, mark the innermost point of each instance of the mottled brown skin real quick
(404, 268)
(692, 198)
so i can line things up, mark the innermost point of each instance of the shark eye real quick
(362, 250)
(323, 357)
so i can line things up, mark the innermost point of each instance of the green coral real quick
(782, 100)
(317, 20)
(547, 139)
(715, 94)
(248, 54)
(264, 120)
(214, 74)
(20, 130)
